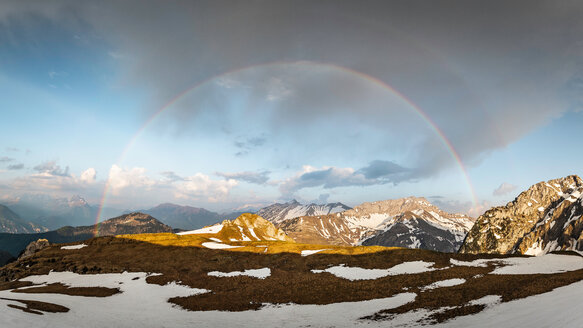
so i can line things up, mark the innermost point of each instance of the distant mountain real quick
(247, 227)
(547, 217)
(132, 223)
(407, 222)
(277, 212)
(54, 213)
(12, 223)
(184, 217)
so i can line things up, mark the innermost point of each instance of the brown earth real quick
(35, 307)
(58, 288)
(291, 279)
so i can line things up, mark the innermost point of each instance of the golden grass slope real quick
(251, 233)
(269, 247)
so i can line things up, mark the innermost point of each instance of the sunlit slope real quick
(247, 233)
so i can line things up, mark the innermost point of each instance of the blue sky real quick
(279, 104)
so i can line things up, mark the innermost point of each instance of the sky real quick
(239, 104)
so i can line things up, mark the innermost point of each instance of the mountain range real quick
(183, 217)
(406, 222)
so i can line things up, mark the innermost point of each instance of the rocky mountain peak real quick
(544, 218)
(76, 201)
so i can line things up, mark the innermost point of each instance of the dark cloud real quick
(52, 168)
(19, 166)
(248, 144)
(377, 169)
(172, 176)
(251, 177)
(376, 173)
(485, 73)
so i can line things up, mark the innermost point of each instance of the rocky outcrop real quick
(544, 218)
(407, 222)
(34, 247)
(277, 212)
(330, 229)
(247, 227)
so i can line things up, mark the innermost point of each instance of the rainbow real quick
(418, 111)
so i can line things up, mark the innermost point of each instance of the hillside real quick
(542, 219)
(125, 224)
(12, 223)
(184, 284)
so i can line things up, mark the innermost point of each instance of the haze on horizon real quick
(222, 104)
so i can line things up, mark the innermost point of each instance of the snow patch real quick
(357, 273)
(444, 283)
(312, 251)
(255, 273)
(74, 246)
(211, 229)
(214, 245)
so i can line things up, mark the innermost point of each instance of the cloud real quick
(476, 71)
(504, 189)
(88, 176)
(12, 149)
(6, 159)
(129, 182)
(329, 177)
(19, 166)
(172, 176)
(51, 168)
(121, 178)
(248, 144)
(202, 186)
(251, 177)
(377, 169)
(479, 209)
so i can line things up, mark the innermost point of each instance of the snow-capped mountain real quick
(545, 218)
(278, 212)
(407, 222)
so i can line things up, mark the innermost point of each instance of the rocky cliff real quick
(544, 218)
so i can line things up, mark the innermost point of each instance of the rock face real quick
(34, 247)
(12, 223)
(247, 227)
(277, 212)
(407, 222)
(545, 218)
(332, 229)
